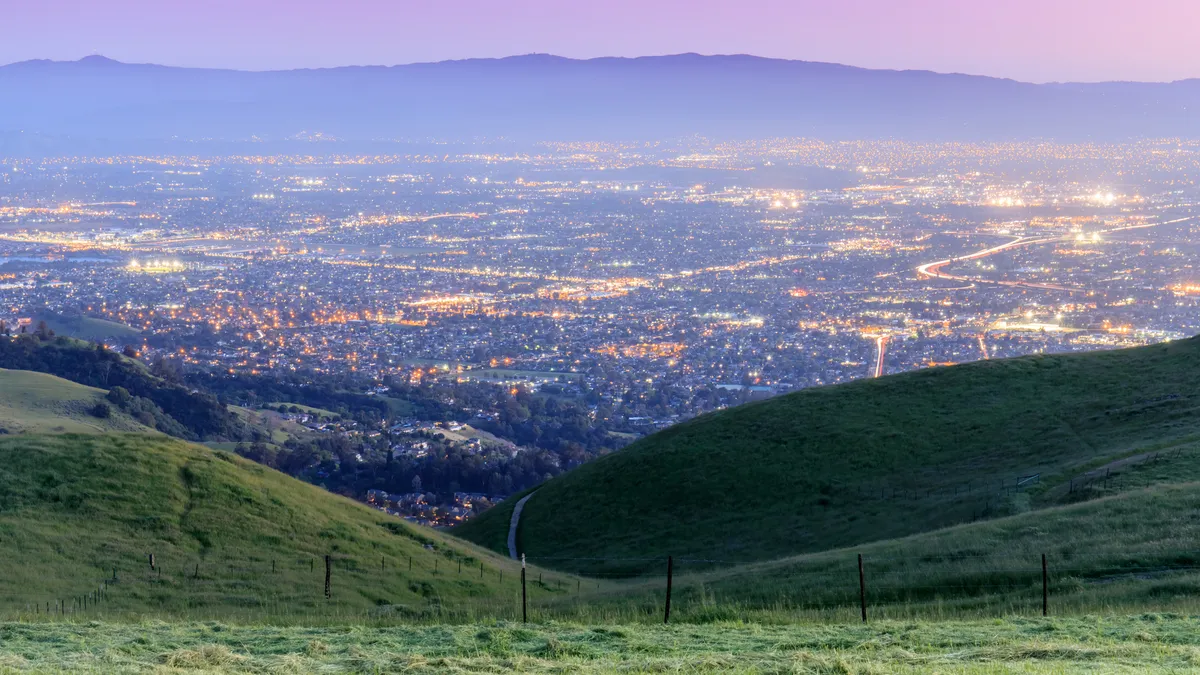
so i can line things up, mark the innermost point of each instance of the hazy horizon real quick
(572, 58)
(1026, 40)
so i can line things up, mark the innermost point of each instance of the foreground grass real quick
(1141, 644)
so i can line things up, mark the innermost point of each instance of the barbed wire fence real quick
(842, 586)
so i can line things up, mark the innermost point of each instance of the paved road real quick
(512, 525)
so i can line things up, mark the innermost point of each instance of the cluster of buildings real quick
(726, 272)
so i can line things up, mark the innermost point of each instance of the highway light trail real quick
(881, 349)
(933, 270)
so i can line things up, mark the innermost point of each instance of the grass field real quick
(1133, 644)
(839, 466)
(318, 412)
(231, 539)
(39, 403)
(506, 374)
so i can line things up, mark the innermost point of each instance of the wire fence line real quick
(696, 587)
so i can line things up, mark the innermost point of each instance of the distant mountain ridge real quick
(544, 97)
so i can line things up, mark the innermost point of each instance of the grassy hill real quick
(40, 403)
(878, 459)
(230, 539)
(87, 327)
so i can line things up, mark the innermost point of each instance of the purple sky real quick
(1035, 40)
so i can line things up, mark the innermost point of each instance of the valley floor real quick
(1132, 644)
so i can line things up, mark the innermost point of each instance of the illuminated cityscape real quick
(642, 283)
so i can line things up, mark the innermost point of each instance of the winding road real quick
(512, 525)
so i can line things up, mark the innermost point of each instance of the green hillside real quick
(878, 459)
(40, 403)
(230, 539)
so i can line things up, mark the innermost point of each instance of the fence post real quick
(524, 609)
(670, 573)
(480, 569)
(328, 593)
(862, 588)
(151, 561)
(1045, 588)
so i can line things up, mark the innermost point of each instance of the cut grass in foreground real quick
(1129, 644)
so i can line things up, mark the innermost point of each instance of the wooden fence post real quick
(152, 561)
(670, 573)
(328, 590)
(862, 588)
(524, 608)
(1045, 588)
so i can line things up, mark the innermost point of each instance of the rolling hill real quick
(840, 466)
(82, 514)
(39, 403)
